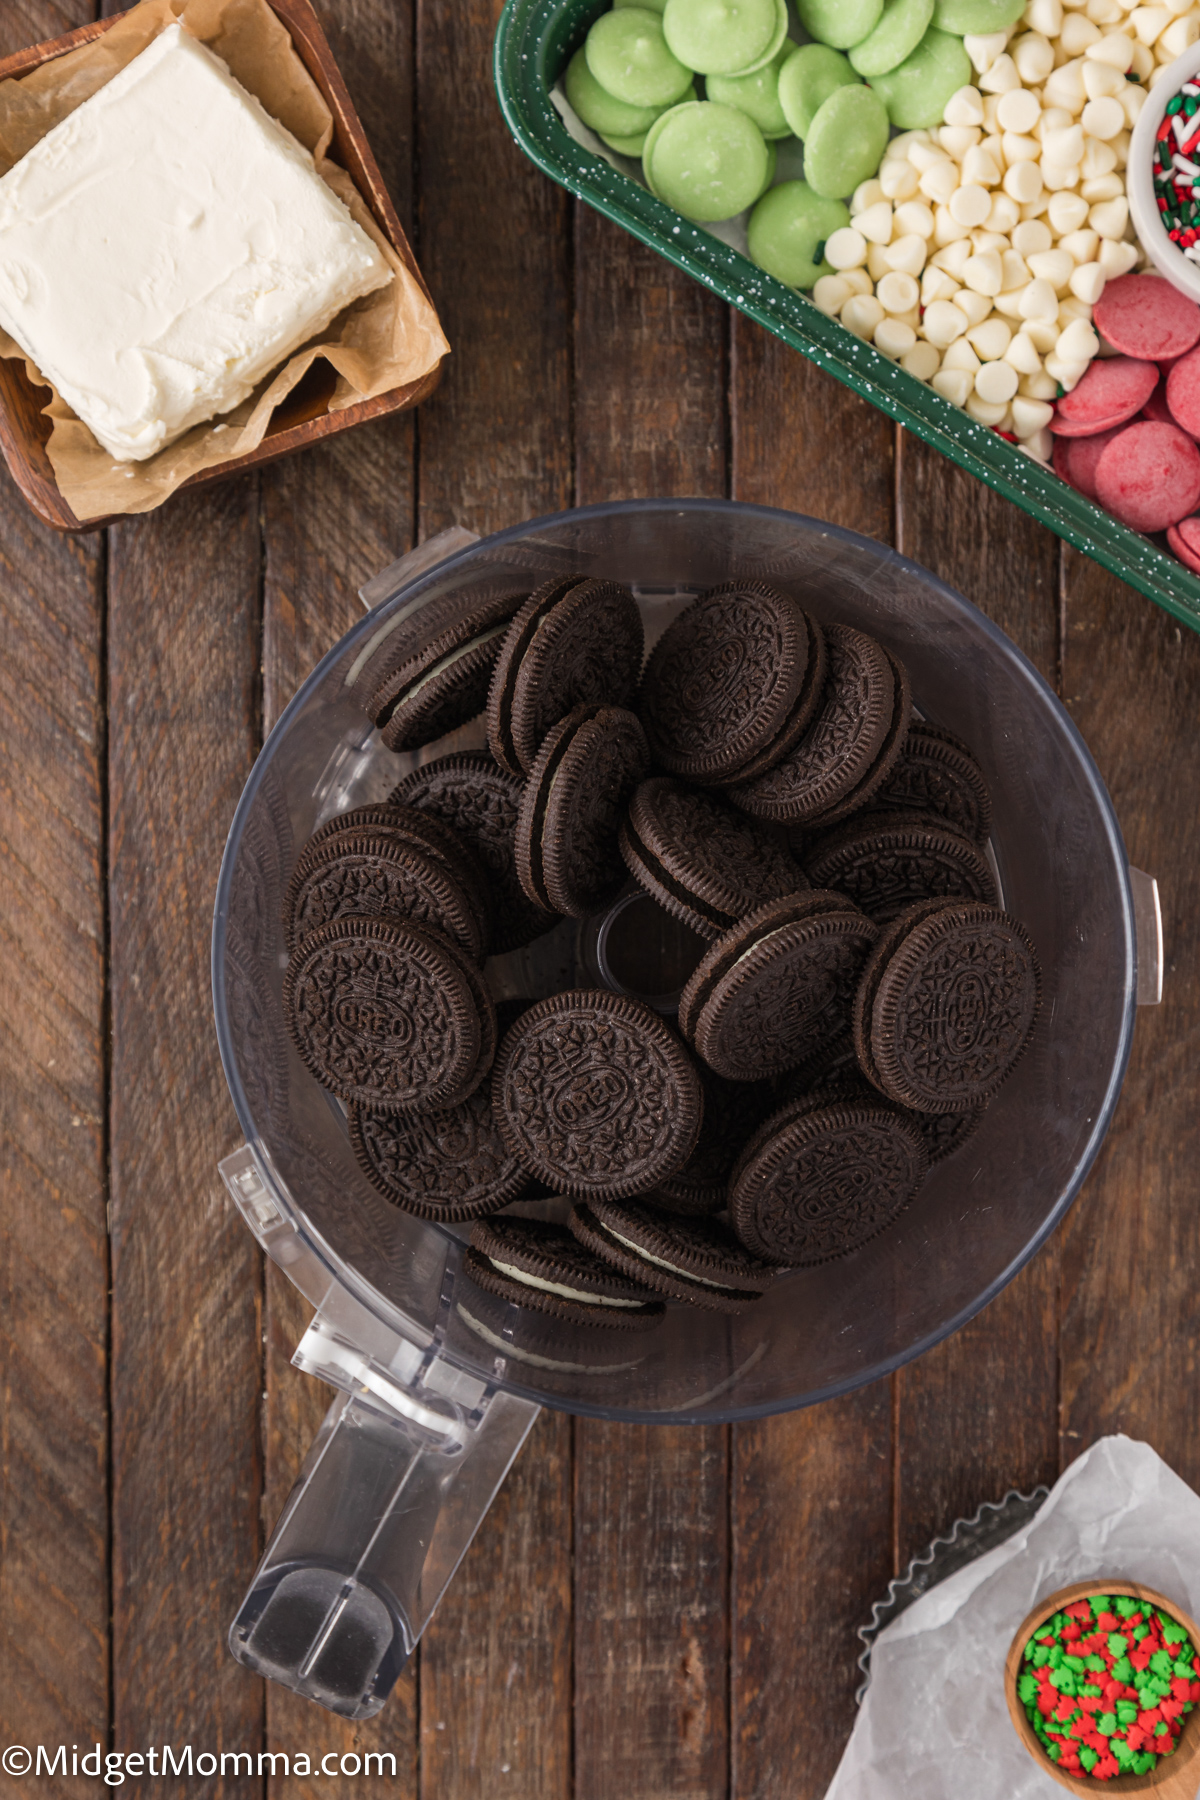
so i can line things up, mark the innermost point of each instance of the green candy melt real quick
(788, 231)
(806, 80)
(724, 37)
(839, 23)
(964, 18)
(915, 92)
(626, 146)
(628, 55)
(845, 142)
(707, 161)
(756, 95)
(896, 36)
(597, 107)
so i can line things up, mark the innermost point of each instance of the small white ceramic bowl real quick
(1166, 256)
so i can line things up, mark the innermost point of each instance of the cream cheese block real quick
(168, 245)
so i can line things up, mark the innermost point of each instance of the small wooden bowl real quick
(1178, 1775)
(304, 417)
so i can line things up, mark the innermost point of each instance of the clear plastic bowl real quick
(1063, 870)
(820, 1332)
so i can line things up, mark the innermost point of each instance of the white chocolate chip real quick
(922, 361)
(984, 272)
(996, 383)
(830, 293)
(897, 293)
(866, 194)
(943, 322)
(1040, 445)
(1020, 149)
(875, 224)
(1105, 187)
(846, 248)
(961, 356)
(975, 306)
(953, 258)
(1030, 416)
(970, 205)
(990, 340)
(964, 107)
(894, 337)
(925, 155)
(858, 280)
(1001, 78)
(984, 49)
(1081, 246)
(1063, 149)
(1149, 22)
(985, 411)
(953, 384)
(1045, 16)
(861, 314)
(914, 216)
(1023, 182)
(936, 284)
(1114, 48)
(1030, 236)
(1179, 36)
(946, 229)
(1014, 271)
(898, 179)
(1019, 110)
(1039, 301)
(1103, 118)
(1065, 89)
(1101, 79)
(1116, 258)
(1023, 355)
(1034, 57)
(1078, 343)
(1110, 217)
(1054, 266)
(980, 167)
(1077, 34)
(956, 140)
(906, 254)
(940, 181)
(1066, 212)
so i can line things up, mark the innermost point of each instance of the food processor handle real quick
(385, 1507)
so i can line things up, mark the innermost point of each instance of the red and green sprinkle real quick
(1177, 169)
(1106, 1685)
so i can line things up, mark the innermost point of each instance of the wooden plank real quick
(801, 440)
(965, 1435)
(651, 1506)
(821, 1477)
(1131, 1244)
(492, 236)
(53, 1236)
(54, 1601)
(186, 1301)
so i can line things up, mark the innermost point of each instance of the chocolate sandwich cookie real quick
(448, 1165)
(420, 831)
(946, 1005)
(535, 1340)
(824, 1176)
(706, 863)
(568, 857)
(732, 1111)
(383, 1012)
(595, 1094)
(573, 641)
(886, 861)
(363, 874)
(722, 682)
(545, 1266)
(835, 1071)
(889, 753)
(778, 986)
(440, 687)
(481, 803)
(698, 1261)
(842, 746)
(937, 774)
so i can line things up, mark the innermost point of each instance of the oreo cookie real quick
(448, 1165)
(824, 1176)
(835, 1071)
(889, 753)
(595, 1095)
(444, 685)
(365, 874)
(388, 1014)
(532, 1263)
(946, 1005)
(722, 683)
(777, 987)
(706, 863)
(732, 1111)
(416, 831)
(481, 804)
(698, 1261)
(937, 774)
(886, 861)
(573, 641)
(567, 853)
(844, 743)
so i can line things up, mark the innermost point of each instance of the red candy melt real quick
(1111, 391)
(1183, 392)
(1081, 456)
(1184, 540)
(1144, 316)
(1156, 408)
(1149, 476)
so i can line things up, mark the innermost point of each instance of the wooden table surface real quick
(646, 1612)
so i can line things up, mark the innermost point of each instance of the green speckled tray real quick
(534, 41)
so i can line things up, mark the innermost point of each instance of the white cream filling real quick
(539, 1362)
(555, 1287)
(448, 662)
(167, 245)
(684, 1274)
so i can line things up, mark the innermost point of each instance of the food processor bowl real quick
(439, 1386)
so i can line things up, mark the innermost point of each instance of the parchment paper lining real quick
(384, 341)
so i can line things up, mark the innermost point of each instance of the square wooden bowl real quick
(304, 417)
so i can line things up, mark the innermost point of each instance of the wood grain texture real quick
(802, 441)
(494, 242)
(812, 1550)
(186, 1302)
(495, 1673)
(650, 399)
(53, 1235)
(1131, 1244)
(651, 1610)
